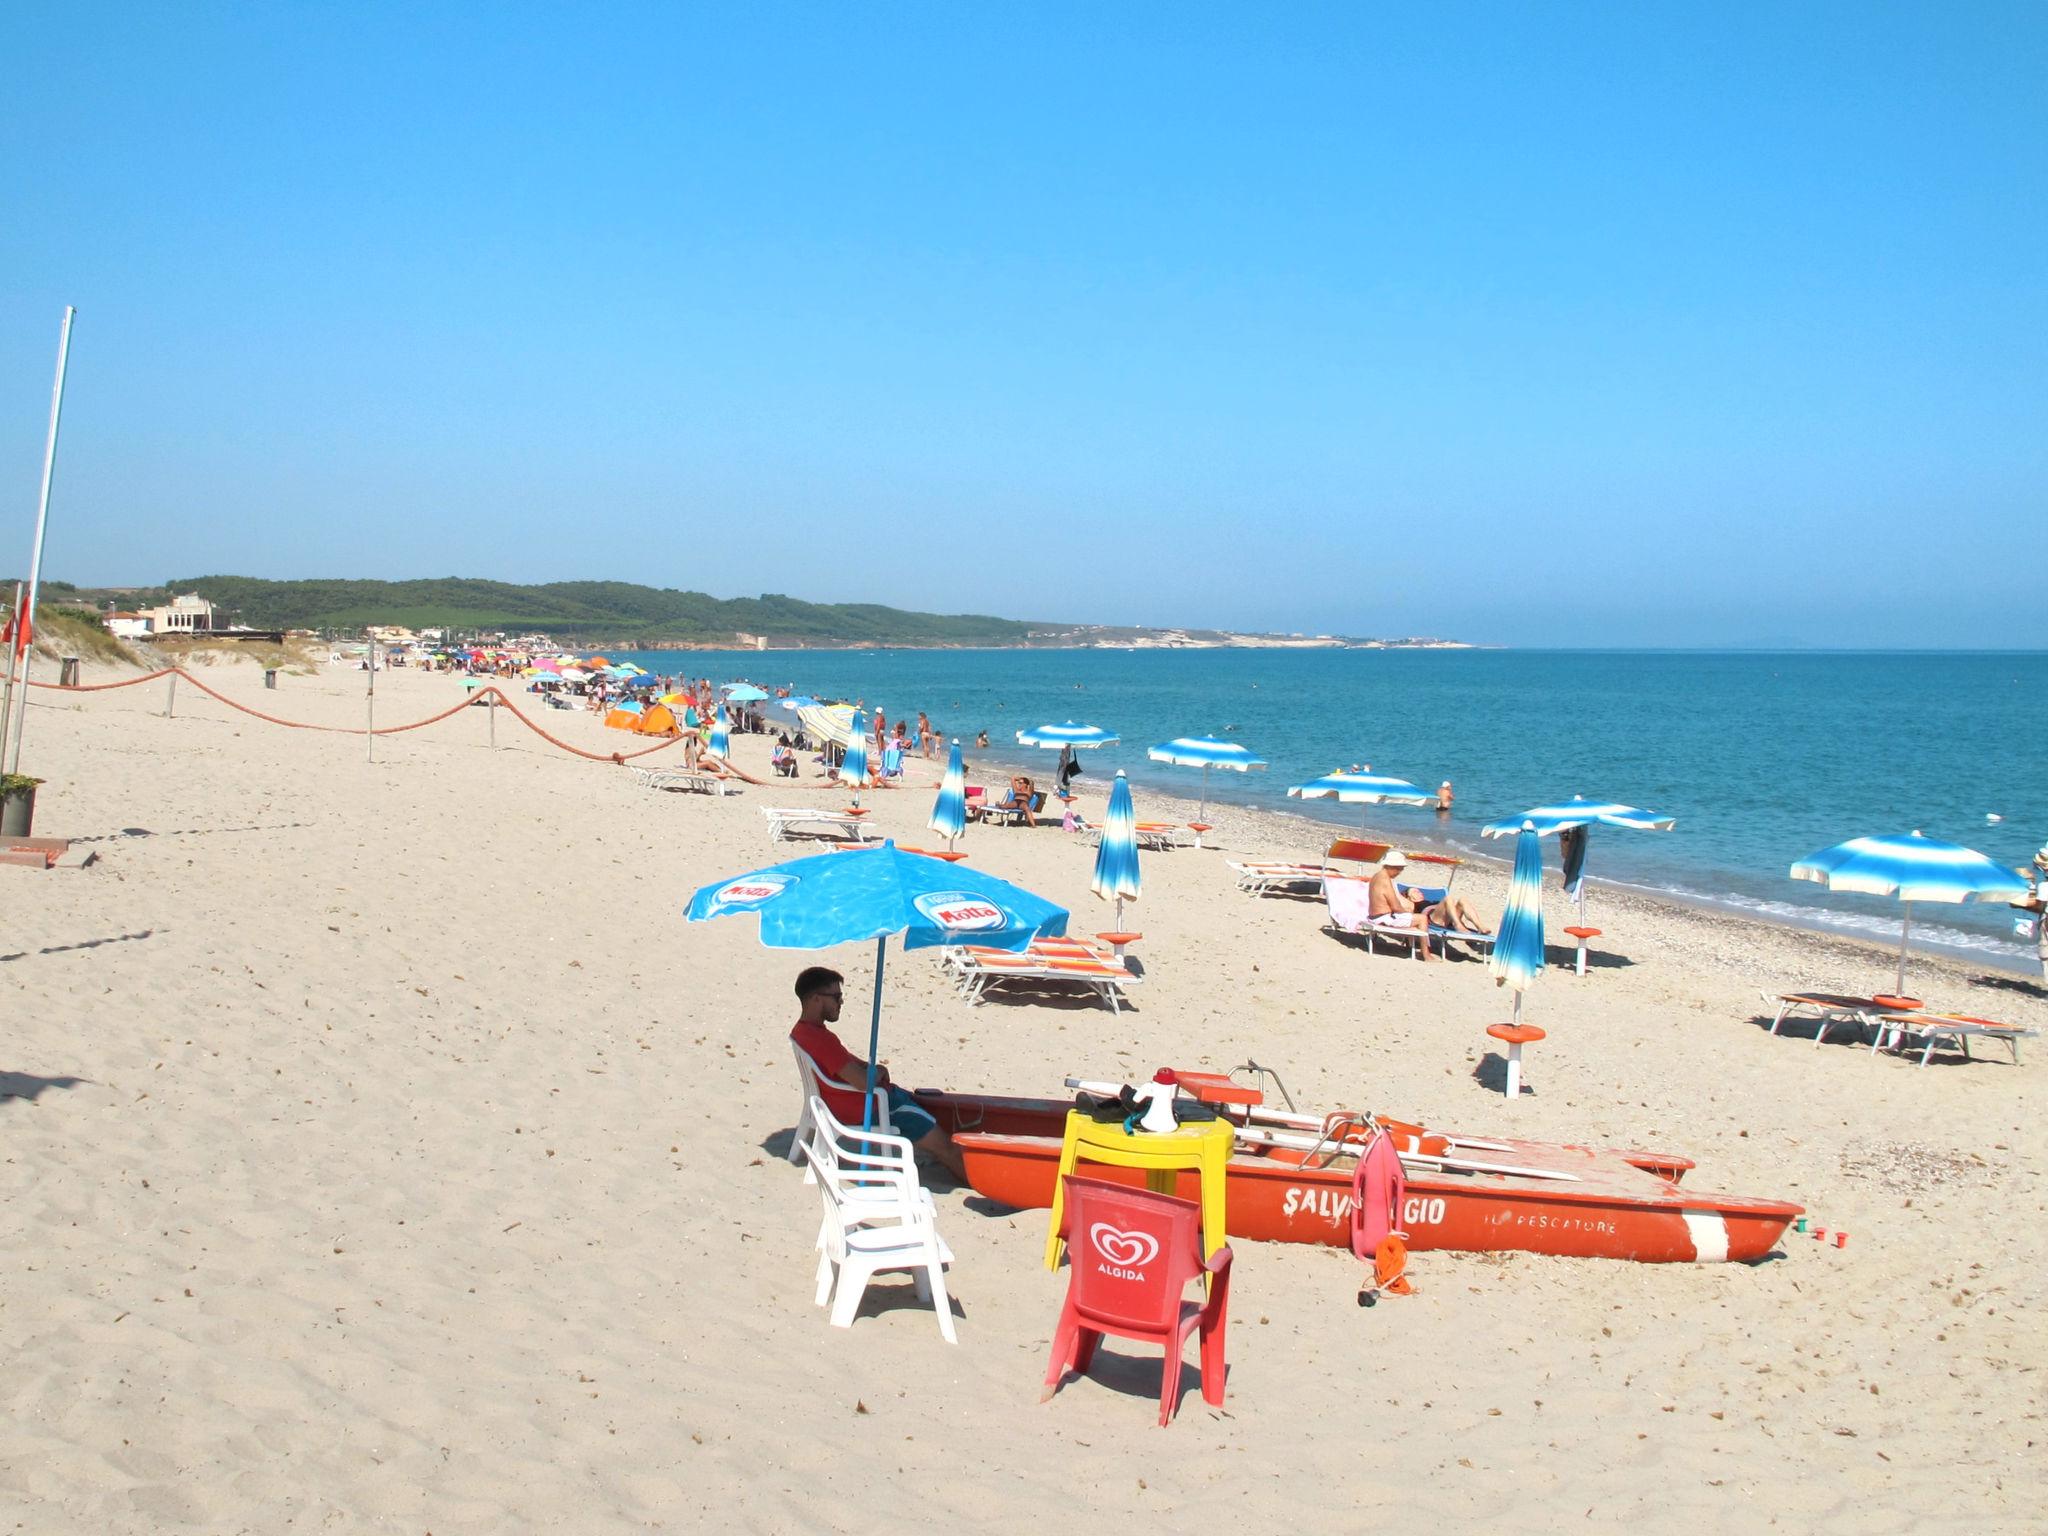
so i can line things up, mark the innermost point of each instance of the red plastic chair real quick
(1132, 1255)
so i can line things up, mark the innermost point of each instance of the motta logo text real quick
(959, 912)
(1124, 1254)
(752, 890)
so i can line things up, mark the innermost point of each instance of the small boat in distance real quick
(1290, 1181)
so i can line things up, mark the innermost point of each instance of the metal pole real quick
(370, 728)
(491, 709)
(1905, 927)
(35, 563)
(171, 698)
(867, 1109)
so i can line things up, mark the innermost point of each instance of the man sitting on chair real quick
(1390, 907)
(820, 992)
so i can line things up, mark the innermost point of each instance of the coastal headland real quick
(384, 1153)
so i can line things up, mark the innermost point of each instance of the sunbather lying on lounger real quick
(1391, 907)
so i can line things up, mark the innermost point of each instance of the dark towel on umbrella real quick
(1069, 768)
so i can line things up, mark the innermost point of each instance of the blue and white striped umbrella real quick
(1577, 815)
(1913, 868)
(1205, 752)
(1517, 957)
(721, 736)
(949, 811)
(854, 769)
(1116, 856)
(1360, 786)
(1053, 737)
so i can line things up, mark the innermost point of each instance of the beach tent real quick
(659, 720)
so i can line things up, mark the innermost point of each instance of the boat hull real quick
(1575, 1202)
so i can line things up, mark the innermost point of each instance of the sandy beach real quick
(383, 1153)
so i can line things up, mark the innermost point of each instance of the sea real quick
(1763, 757)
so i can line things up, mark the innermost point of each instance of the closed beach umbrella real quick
(827, 899)
(1053, 737)
(855, 766)
(1569, 822)
(1517, 957)
(1360, 786)
(1205, 752)
(721, 735)
(1116, 856)
(949, 811)
(1912, 868)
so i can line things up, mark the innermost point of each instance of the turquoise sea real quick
(1762, 757)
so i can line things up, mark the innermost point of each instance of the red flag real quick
(19, 626)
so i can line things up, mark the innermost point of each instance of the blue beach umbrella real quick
(1053, 737)
(721, 735)
(1912, 868)
(855, 766)
(1116, 856)
(744, 693)
(949, 811)
(1517, 957)
(1361, 786)
(1205, 752)
(828, 899)
(1570, 821)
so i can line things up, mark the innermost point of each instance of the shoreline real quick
(1271, 831)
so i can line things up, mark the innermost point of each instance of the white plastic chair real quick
(877, 1219)
(810, 1080)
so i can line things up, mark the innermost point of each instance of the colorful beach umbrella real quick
(855, 765)
(1205, 752)
(949, 811)
(1116, 856)
(1053, 737)
(1912, 868)
(1570, 821)
(721, 735)
(1517, 957)
(828, 899)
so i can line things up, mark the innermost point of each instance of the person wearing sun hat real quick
(1388, 906)
(2037, 903)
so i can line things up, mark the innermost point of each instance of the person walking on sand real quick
(819, 993)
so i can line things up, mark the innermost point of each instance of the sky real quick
(1571, 324)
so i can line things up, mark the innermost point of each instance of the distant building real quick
(190, 614)
(128, 626)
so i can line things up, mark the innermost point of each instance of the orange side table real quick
(1516, 1036)
(1198, 828)
(1117, 941)
(1583, 935)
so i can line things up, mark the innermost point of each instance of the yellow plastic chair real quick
(1203, 1146)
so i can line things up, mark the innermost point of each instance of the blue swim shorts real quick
(913, 1122)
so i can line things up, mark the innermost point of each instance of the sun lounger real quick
(1349, 901)
(1156, 836)
(783, 822)
(1956, 1029)
(681, 779)
(1827, 1008)
(1257, 877)
(979, 969)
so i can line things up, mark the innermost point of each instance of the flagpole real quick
(24, 618)
(13, 620)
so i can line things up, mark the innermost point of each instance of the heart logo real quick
(1127, 1250)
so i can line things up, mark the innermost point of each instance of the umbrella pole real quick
(1203, 813)
(1905, 928)
(867, 1108)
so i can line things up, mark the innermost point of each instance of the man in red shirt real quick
(844, 1076)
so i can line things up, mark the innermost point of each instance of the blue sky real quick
(1572, 324)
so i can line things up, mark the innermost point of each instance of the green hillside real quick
(607, 609)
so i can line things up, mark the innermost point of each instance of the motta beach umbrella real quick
(949, 811)
(1052, 737)
(1205, 752)
(1569, 822)
(721, 735)
(1912, 868)
(854, 768)
(1361, 786)
(1517, 957)
(1116, 856)
(829, 899)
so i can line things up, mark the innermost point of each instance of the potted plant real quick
(17, 804)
